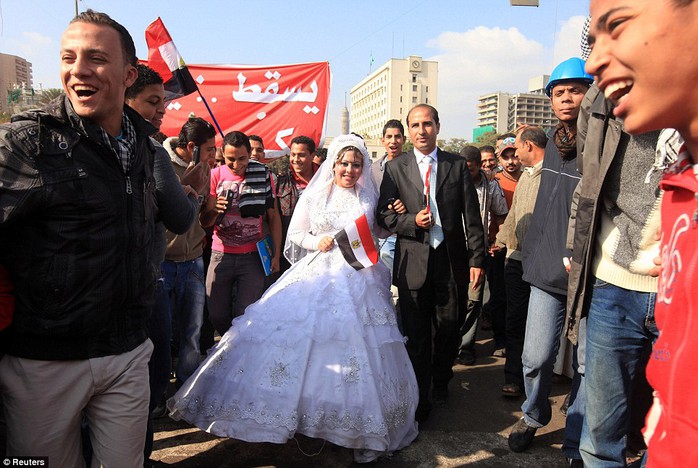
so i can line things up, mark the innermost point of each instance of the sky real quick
(482, 46)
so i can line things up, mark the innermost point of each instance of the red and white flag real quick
(164, 58)
(356, 244)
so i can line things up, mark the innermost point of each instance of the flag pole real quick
(210, 112)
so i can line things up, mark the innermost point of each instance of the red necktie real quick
(427, 187)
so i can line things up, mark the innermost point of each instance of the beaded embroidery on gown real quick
(319, 354)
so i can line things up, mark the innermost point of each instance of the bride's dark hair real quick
(343, 151)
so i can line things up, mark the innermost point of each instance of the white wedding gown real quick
(319, 354)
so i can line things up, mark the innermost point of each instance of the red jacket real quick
(673, 367)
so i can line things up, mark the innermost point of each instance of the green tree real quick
(49, 94)
(453, 145)
(487, 138)
(4, 117)
(407, 146)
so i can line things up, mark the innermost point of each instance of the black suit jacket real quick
(458, 206)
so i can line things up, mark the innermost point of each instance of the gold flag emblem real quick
(355, 244)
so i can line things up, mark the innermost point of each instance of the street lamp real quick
(523, 3)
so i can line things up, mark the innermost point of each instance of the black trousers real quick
(518, 292)
(435, 305)
(496, 306)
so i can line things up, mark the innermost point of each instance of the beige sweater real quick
(512, 233)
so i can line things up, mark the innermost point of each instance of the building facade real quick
(505, 111)
(493, 111)
(390, 92)
(16, 79)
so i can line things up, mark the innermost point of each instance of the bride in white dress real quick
(320, 353)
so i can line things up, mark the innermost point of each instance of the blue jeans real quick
(620, 326)
(387, 252)
(546, 315)
(160, 365)
(577, 407)
(185, 294)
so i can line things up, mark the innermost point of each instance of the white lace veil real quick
(320, 186)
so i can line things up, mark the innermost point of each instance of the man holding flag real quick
(431, 253)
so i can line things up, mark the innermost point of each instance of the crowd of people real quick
(123, 249)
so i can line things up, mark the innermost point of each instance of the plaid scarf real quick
(124, 145)
(565, 138)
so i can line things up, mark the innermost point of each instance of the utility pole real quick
(76, 7)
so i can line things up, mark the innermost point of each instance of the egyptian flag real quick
(164, 59)
(356, 244)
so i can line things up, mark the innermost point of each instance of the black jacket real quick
(76, 235)
(545, 242)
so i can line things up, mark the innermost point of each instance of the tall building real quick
(493, 111)
(15, 79)
(506, 111)
(390, 92)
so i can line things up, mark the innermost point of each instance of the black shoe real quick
(160, 411)
(422, 413)
(439, 397)
(521, 436)
(466, 357)
(575, 463)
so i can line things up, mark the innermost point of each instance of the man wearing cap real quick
(544, 249)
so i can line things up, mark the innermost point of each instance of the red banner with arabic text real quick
(276, 102)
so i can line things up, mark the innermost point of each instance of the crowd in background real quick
(133, 252)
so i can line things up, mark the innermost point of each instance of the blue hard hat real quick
(570, 70)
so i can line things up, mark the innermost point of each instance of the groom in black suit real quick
(432, 255)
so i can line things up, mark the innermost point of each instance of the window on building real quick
(400, 87)
(427, 89)
(426, 100)
(414, 99)
(414, 88)
(414, 78)
(400, 98)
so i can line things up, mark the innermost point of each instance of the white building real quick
(16, 79)
(506, 111)
(390, 92)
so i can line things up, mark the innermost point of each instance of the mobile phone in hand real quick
(196, 158)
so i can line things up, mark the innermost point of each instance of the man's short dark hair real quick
(257, 138)
(432, 109)
(237, 139)
(487, 149)
(394, 123)
(321, 153)
(304, 140)
(197, 130)
(471, 153)
(146, 77)
(535, 135)
(94, 17)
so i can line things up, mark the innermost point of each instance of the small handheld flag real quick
(356, 244)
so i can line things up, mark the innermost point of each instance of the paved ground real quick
(470, 431)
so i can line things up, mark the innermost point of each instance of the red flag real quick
(276, 102)
(356, 244)
(164, 58)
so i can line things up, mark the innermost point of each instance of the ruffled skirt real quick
(319, 354)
